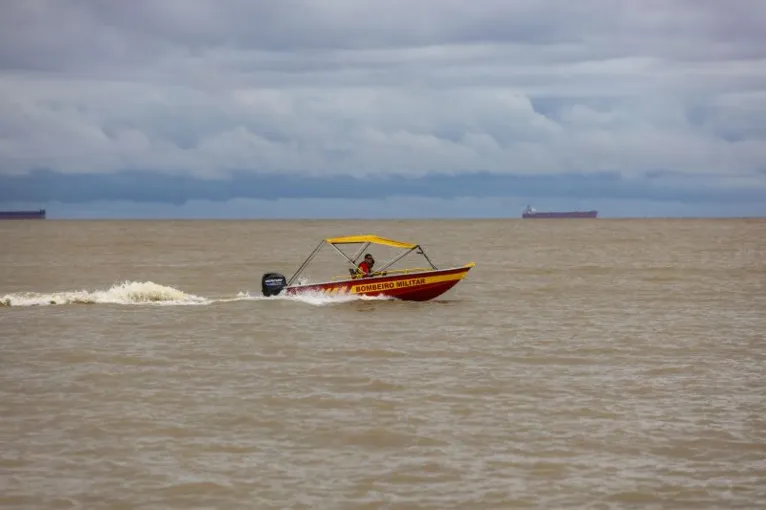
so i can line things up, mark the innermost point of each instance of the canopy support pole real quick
(361, 250)
(397, 259)
(350, 261)
(423, 252)
(305, 263)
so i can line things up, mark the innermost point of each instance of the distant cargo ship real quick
(530, 213)
(23, 215)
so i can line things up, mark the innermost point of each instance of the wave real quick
(150, 293)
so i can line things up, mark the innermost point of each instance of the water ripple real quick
(601, 365)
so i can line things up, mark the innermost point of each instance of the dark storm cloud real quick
(143, 186)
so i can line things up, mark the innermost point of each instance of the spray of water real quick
(150, 293)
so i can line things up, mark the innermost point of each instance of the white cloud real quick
(203, 87)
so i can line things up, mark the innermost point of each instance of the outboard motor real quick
(272, 284)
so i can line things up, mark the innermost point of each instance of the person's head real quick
(370, 261)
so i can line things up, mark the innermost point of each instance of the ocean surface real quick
(581, 364)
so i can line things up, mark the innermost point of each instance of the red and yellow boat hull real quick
(418, 286)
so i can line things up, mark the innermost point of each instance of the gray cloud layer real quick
(146, 187)
(339, 87)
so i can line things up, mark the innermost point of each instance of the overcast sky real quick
(108, 108)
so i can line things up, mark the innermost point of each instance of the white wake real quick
(150, 293)
(317, 298)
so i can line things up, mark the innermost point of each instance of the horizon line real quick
(382, 218)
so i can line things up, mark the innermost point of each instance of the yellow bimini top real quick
(372, 239)
(368, 239)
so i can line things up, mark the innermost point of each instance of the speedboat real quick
(412, 284)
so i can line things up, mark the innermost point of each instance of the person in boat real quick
(364, 268)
